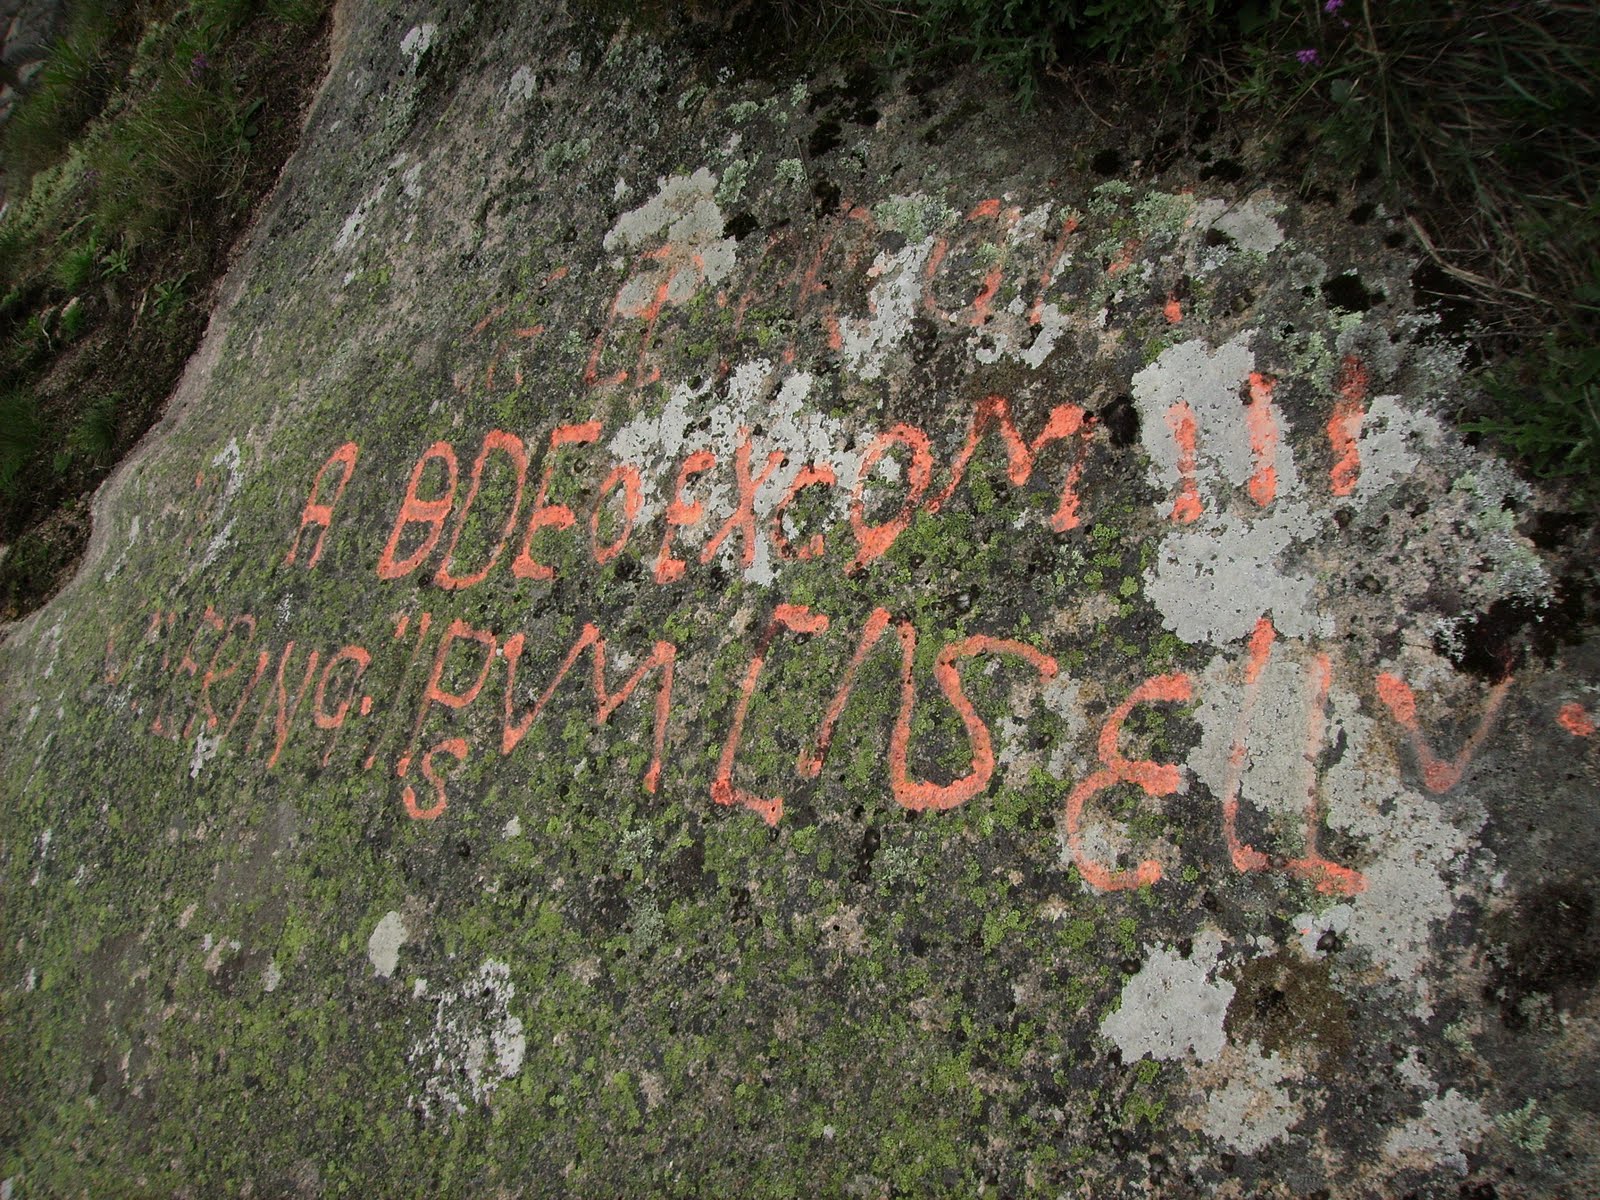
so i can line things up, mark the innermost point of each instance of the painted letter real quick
(415, 511)
(546, 515)
(799, 619)
(919, 796)
(511, 446)
(1157, 779)
(320, 514)
(873, 541)
(680, 515)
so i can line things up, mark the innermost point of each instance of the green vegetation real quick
(131, 164)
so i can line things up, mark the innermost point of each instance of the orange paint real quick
(816, 291)
(920, 796)
(333, 721)
(1329, 877)
(983, 300)
(318, 513)
(1057, 252)
(262, 658)
(1186, 509)
(649, 313)
(417, 511)
(189, 665)
(873, 541)
(111, 670)
(1244, 857)
(591, 370)
(402, 623)
(1262, 425)
(743, 520)
(282, 712)
(1344, 427)
(1123, 259)
(487, 320)
(1437, 774)
(663, 656)
(810, 283)
(796, 618)
(809, 764)
(994, 412)
(681, 515)
(1575, 720)
(1156, 779)
(495, 441)
(213, 676)
(546, 515)
(810, 475)
(457, 749)
(628, 477)
(436, 693)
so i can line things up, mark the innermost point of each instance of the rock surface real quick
(694, 634)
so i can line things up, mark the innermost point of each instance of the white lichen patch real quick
(1210, 382)
(354, 229)
(115, 568)
(1440, 1136)
(891, 304)
(1241, 1099)
(1391, 442)
(383, 947)
(205, 749)
(474, 1044)
(1412, 847)
(418, 41)
(1172, 1007)
(1213, 583)
(231, 459)
(1407, 847)
(1274, 774)
(522, 86)
(1216, 576)
(1250, 224)
(684, 221)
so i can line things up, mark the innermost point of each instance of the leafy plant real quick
(169, 297)
(71, 88)
(114, 263)
(298, 13)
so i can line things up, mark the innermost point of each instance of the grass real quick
(134, 160)
(95, 434)
(21, 432)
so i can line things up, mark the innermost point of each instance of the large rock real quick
(695, 634)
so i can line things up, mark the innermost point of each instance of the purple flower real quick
(1308, 58)
(198, 66)
(1333, 6)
